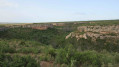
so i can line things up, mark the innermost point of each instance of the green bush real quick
(17, 61)
(5, 48)
(45, 58)
(61, 56)
(87, 58)
(29, 50)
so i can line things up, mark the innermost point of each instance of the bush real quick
(61, 57)
(45, 58)
(87, 58)
(17, 61)
(5, 48)
(29, 50)
(52, 52)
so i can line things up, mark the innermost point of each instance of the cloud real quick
(5, 3)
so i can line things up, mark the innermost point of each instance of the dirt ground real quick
(48, 64)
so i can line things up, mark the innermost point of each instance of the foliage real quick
(50, 45)
(16, 61)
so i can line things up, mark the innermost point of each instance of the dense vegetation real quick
(25, 47)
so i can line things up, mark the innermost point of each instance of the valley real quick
(60, 44)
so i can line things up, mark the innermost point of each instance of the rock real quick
(96, 32)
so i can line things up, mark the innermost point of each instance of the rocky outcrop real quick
(38, 26)
(58, 24)
(94, 32)
(77, 35)
(33, 26)
(100, 29)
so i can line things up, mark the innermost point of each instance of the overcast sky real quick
(57, 10)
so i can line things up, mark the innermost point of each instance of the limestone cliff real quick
(95, 32)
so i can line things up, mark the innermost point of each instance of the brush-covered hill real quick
(60, 44)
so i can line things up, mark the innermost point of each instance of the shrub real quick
(88, 58)
(17, 61)
(52, 52)
(5, 48)
(61, 56)
(29, 50)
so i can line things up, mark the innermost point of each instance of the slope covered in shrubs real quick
(26, 47)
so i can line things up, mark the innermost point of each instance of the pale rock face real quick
(109, 29)
(68, 36)
(96, 32)
(77, 35)
(58, 24)
(33, 26)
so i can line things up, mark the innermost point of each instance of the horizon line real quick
(54, 21)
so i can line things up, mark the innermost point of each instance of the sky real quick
(57, 10)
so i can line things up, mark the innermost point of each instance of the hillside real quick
(60, 44)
